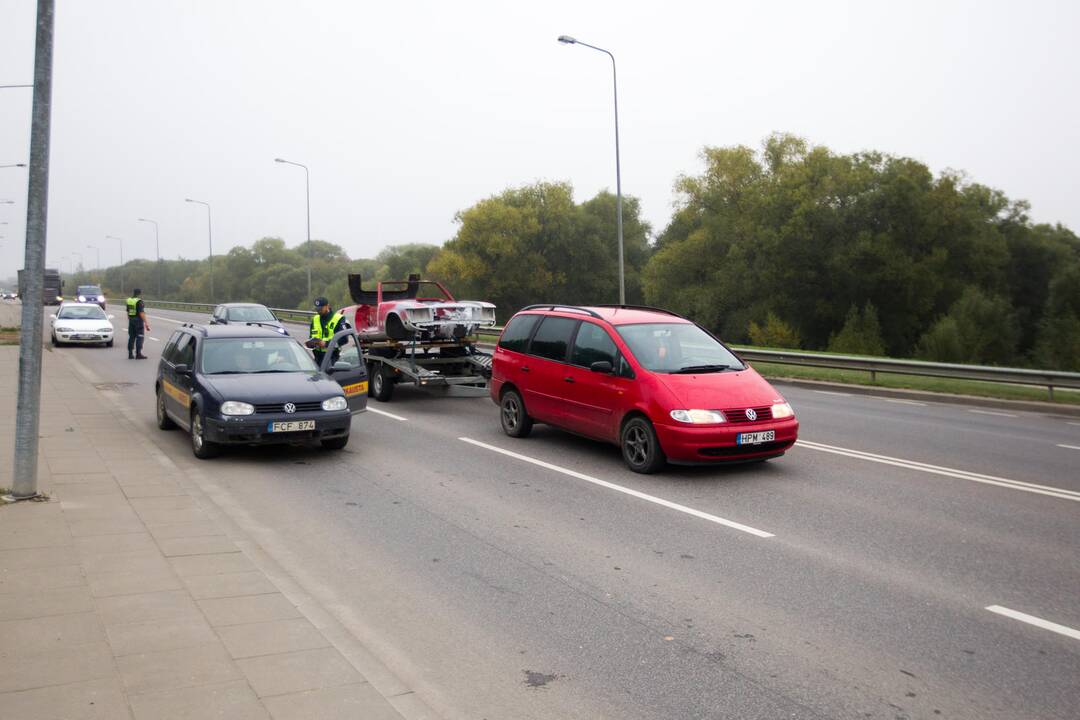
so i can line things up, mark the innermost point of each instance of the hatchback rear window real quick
(516, 335)
(553, 338)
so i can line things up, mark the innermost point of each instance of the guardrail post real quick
(1050, 389)
(873, 376)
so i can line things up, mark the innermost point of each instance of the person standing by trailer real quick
(137, 324)
(324, 324)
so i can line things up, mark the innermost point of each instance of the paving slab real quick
(121, 597)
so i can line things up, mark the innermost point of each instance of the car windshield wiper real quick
(230, 372)
(260, 372)
(700, 369)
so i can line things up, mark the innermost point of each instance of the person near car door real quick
(324, 324)
(137, 325)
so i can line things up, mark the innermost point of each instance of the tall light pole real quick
(210, 239)
(307, 193)
(121, 241)
(157, 252)
(618, 170)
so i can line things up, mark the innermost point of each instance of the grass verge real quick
(1001, 391)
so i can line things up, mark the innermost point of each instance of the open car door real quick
(344, 362)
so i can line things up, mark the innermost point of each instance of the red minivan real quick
(652, 382)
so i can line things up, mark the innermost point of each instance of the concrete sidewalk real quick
(125, 596)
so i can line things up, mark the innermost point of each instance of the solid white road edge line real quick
(949, 472)
(624, 490)
(1037, 622)
(1070, 447)
(389, 415)
(899, 401)
(992, 412)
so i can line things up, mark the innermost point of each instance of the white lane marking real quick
(833, 392)
(153, 338)
(899, 401)
(1036, 621)
(625, 490)
(1069, 422)
(389, 415)
(991, 412)
(175, 322)
(1070, 447)
(948, 472)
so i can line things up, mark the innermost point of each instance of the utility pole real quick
(28, 406)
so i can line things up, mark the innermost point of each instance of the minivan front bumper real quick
(719, 443)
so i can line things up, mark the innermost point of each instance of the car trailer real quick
(424, 365)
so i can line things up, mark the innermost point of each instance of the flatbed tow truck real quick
(414, 332)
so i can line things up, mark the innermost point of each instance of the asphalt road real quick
(535, 585)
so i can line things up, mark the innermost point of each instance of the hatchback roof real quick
(234, 330)
(614, 314)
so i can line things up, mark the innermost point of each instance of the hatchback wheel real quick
(200, 446)
(515, 421)
(640, 448)
(164, 422)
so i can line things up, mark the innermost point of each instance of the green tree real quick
(861, 333)
(775, 333)
(978, 328)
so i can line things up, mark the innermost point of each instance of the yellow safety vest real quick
(317, 331)
(132, 306)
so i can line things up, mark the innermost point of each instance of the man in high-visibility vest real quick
(323, 326)
(137, 323)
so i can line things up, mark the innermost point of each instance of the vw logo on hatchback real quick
(290, 408)
(751, 414)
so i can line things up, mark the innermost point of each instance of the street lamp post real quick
(618, 170)
(307, 194)
(157, 252)
(210, 239)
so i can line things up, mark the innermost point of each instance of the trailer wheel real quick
(382, 384)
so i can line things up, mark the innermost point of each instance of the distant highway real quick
(905, 560)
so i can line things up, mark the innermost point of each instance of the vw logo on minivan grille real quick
(751, 414)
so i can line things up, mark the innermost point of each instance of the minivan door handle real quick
(568, 379)
(524, 368)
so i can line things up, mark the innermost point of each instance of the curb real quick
(1045, 408)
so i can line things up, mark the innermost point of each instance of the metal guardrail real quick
(1049, 379)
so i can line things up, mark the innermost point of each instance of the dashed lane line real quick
(899, 401)
(833, 392)
(389, 415)
(1056, 492)
(992, 412)
(1036, 621)
(625, 490)
(1069, 447)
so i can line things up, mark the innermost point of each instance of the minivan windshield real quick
(677, 348)
(250, 313)
(242, 356)
(81, 312)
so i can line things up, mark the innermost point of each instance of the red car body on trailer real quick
(414, 309)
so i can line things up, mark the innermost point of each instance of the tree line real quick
(787, 245)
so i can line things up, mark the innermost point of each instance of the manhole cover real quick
(114, 386)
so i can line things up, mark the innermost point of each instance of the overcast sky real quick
(408, 112)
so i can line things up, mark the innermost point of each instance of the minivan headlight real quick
(782, 410)
(235, 407)
(698, 417)
(334, 403)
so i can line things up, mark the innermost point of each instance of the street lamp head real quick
(279, 160)
(188, 200)
(567, 39)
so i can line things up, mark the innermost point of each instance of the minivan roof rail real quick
(570, 308)
(641, 307)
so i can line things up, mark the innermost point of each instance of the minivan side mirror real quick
(182, 369)
(601, 366)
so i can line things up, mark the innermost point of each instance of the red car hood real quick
(722, 390)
